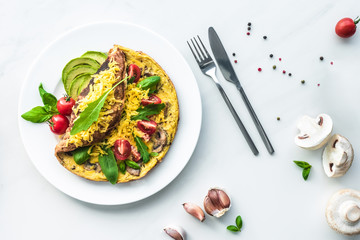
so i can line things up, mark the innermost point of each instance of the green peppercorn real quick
(303, 81)
(274, 67)
(278, 118)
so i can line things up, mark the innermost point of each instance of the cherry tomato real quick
(134, 71)
(122, 149)
(136, 156)
(148, 127)
(58, 124)
(346, 27)
(64, 105)
(152, 99)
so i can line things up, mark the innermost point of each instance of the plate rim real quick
(42, 53)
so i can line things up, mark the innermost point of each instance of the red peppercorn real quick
(331, 63)
(284, 71)
(248, 33)
(318, 84)
(279, 59)
(235, 61)
(259, 69)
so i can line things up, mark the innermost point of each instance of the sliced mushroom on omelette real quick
(147, 113)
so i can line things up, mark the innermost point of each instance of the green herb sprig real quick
(41, 114)
(148, 110)
(143, 149)
(237, 227)
(91, 112)
(306, 168)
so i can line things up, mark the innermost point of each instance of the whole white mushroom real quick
(343, 212)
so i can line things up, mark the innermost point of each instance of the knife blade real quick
(229, 74)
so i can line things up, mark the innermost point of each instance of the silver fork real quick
(208, 67)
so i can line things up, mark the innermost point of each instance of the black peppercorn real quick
(321, 58)
(234, 54)
(249, 28)
(271, 55)
(249, 24)
(265, 37)
(290, 74)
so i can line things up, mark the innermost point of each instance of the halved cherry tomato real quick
(136, 156)
(148, 127)
(58, 124)
(65, 104)
(134, 71)
(122, 149)
(152, 99)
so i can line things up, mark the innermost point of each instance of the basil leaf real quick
(122, 167)
(81, 155)
(302, 164)
(91, 113)
(149, 82)
(238, 222)
(143, 149)
(132, 164)
(47, 98)
(148, 110)
(306, 172)
(154, 154)
(108, 166)
(233, 228)
(37, 115)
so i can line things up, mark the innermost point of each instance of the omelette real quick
(135, 116)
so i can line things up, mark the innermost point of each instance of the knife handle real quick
(260, 129)
(238, 121)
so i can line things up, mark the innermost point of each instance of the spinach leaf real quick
(37, 115)
(148, 110)
(154, 154)
(91, 112)
(108, 166)
(81, 155)
(143, 149)
(122, 167)
(132, 164)
(149, 83)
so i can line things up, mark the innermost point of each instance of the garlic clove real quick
(216, 202)
(175, 232)
(195, 211)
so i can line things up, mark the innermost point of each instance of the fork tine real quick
(207, 54)
(200, 57)
(196, 58)
(203, 55)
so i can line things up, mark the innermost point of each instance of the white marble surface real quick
(267, 191)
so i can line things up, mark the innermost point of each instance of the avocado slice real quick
(83, 85)
(79, 61)
(97, 56)
(77, 82)
(74, 72)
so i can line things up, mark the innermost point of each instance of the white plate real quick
(40, 142)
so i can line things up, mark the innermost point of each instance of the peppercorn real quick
(235, 61)
(249, 28)
(321, 58)
(259, 69)
(302, 81)
(274, 67)
(248, 33)
(265, 37)
(271, 55)
(234, 54)
(249, 24)
(279, 59)
(290, 74)
(278, 118)
(284, 71)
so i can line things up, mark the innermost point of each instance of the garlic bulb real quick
(216, 202)
(175, 232)
(337, 156)
(195, 211)
(343, 212)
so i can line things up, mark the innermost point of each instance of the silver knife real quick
(229, 74)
